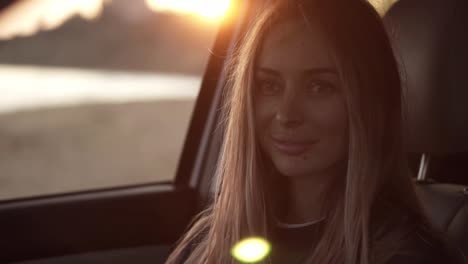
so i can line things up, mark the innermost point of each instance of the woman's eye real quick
(268, 87)
(319, 87)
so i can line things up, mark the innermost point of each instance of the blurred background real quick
(98, 93)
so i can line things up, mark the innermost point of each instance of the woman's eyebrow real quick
(317, 71)
(267, 71)
(314, 71)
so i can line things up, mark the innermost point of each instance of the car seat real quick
(431, 42)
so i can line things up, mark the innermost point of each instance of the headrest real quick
(431, 41)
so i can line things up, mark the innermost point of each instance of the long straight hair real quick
(376, 175)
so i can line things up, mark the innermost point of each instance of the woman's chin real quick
(302, 168)
(294, 170)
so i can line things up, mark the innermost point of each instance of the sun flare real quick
(205, 8)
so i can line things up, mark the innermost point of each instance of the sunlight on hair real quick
(382, 6)
(251, 250)
(205, 8)
(27, 17)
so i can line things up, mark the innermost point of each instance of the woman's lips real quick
(292, 147)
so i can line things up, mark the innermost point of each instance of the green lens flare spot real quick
(251, 250)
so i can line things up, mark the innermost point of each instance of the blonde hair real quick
(376, 160)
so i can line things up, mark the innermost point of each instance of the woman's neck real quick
(305, 199)
(306, 196)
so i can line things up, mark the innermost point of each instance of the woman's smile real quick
(292, 146)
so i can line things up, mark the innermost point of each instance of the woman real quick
(312, 157)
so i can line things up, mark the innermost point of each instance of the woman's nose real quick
(289, 112)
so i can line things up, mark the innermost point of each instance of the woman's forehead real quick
(294, 45)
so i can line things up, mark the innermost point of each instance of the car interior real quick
(431, 54)
(140, 224)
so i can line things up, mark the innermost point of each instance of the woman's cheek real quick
(265, 112)
(331, 114)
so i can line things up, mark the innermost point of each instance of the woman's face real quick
(300, 110)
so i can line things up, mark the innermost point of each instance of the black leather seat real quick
(431, 39)
(446, 206)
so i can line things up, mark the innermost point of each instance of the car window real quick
(98, 93)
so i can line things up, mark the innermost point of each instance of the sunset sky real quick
(29, 16)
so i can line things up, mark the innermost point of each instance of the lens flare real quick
(251, 250)
(205, 8)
